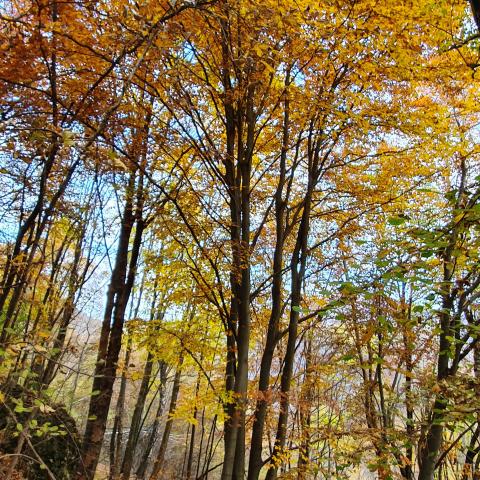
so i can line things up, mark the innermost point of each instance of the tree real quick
(283, 193)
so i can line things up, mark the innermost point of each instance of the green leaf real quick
(397, 220)
(68, 138)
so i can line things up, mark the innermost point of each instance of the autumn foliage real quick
(239, 240)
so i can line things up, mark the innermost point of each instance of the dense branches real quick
(240, 238)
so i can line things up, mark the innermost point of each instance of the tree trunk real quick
(68, 310)
(159, 461)
(305, 414)
(137, 419)
(428, 452)
(111, 334)
(192, 435)
(297, 271)
(256, 444)
(142, 468)
(116, 440)
(473, 449)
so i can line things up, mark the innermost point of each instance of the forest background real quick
(239, 239)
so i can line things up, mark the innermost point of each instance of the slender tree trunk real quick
(159, 461)
(200, 447)
(232, 422)
(117, 431)
(68, 310)
(192, 435)
(297, 269)
(209, 449)
(17, 278)
(136, 422)
(116, 439)
(13, 268)
(256, 444)
(449, 341)
(238, 172)
(473, 448)
(134, 432)
(111, 334)
(142, 468)
(428, 452)
(305, 414)
(185, 452)
(407, 470)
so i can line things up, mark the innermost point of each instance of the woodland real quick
(239, 239)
